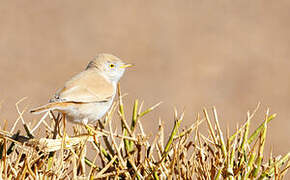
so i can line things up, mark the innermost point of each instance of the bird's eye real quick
(112, 65)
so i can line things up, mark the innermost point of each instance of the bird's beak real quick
(127, 65)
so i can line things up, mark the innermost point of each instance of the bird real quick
(88, 95)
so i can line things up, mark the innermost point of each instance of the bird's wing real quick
(87, 86)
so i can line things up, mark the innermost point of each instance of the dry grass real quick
(184, 154)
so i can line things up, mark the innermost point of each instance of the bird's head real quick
(110, 66)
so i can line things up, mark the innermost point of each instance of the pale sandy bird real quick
(87, 96)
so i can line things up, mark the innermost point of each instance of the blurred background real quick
(189, 54)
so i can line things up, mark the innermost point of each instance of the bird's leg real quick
(56, 124)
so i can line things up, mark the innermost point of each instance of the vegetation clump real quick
(131, 154)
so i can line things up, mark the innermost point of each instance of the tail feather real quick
(50, 106)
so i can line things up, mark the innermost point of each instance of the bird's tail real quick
(50, 106)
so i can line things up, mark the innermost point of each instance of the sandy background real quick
(188, 53)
